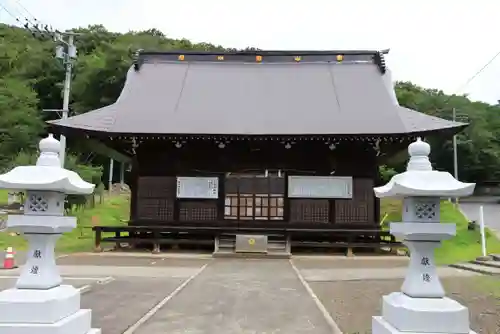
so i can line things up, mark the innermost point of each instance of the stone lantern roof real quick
(47, 174)
(40, 303)
(420, 180)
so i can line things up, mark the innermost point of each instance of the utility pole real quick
(457, 118)
(66, 52)
(455, 155)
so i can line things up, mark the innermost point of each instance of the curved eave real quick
(80, 131)
(447, 132)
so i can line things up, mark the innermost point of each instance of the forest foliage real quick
(31, 80)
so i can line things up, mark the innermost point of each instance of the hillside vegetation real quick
(31, 80)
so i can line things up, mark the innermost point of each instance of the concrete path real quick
(491, 213)
(119, 305)
(344, 274)
(156, 295)
(240, 296)
(120, 271)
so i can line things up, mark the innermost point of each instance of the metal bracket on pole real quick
(67, 57)
(58, 111)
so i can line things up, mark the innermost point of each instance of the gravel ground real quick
(353, 303)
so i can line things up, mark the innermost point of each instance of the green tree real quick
(478, 146)
(89, 173)
(20, 120)
(32, 80)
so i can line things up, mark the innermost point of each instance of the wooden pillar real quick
(122, 174)
(134, 188)
(98, 239)
(110, 178)
(156, 242)
(377, 182)
(286, 200)
(221, 201)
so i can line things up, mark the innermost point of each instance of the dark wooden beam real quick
(102, 149)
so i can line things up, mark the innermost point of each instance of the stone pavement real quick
(350, 274)
(169, 294)
(120, 304)
(241, 296)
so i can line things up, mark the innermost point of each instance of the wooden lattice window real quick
(155, 198)
(198, 211)
(360, 209)
(309, 210)
(254, 197)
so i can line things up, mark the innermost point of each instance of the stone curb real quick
(483, 271)
(85, 289)
(491, 264)
(182, 256)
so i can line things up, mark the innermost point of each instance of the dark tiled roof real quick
(163, 95)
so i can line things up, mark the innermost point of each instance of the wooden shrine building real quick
(246, 149)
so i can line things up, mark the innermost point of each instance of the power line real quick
(10, 13)
(40, 27)
(37, 28)
(26, 10)
(65, 50)
(479, 72)
(472, 78)
(455, 157)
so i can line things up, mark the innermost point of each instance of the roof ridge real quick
(265, 52)
(345, 56)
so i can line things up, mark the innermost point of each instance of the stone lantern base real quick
(52, 311)
(408, 315)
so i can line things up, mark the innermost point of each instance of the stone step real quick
(226, 243)
(496, 257)
(478, 268)
(272, 255)
(492, 264)
(273, 246)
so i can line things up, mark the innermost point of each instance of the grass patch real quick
(4, 196)
(465, 246)
(113, 211)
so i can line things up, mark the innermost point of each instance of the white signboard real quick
(320, 187)
(197, 187)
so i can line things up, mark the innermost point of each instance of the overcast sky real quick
(434, 43)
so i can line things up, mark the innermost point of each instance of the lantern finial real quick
(49, 152)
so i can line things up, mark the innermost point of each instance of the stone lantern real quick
(39, 304)
(421, 306)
